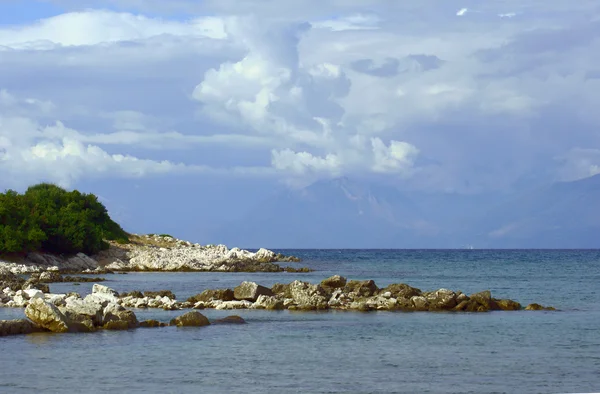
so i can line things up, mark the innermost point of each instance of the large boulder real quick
(401, 290)
(16, 327)
(307, 296)
(250, 291)
(115, 317)
(48, 316)
(442, 299)
(365, 288)
(10, 280)
(209, 295)
(281, 289)
(333, 282)
(485, 300)
(419, 303)
(508, 305)
(268, 302)
(102, 295)
(91, 310)
(50, 277)
(190, 319)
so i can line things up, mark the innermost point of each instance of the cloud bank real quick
(500, 95)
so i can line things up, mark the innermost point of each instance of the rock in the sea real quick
(420, 303)
(485, 300)
(307, 296)
(268, 302)
(230, 320)
(334, 282)
(16, 327)
(102, 295)
(401, 290)
(115, 317)
(190, 319)
(538, 307)
(221, 305)
(152, 324)
(442, 299)
(209, 295)
(161, 293)
(508, 305)
(10, 280)
(50, 277)
(48, 316)
(365, 288)
(250, 291)
(92, 310)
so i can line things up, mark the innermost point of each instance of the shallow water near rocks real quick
(342, 351)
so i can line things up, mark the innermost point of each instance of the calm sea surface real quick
(329, 352)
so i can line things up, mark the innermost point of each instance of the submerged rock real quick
(230, 320)
(17, 327)
(152, 324)
(538, 307)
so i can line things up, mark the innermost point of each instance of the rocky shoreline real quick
(106, 309)
(154, 253)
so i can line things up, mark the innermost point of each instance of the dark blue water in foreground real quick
(280, 352)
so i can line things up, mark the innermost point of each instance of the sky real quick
(186, 112)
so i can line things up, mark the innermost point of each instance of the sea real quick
(341, 352)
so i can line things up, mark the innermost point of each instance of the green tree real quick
(50, 219)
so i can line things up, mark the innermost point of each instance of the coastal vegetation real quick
(47, 218)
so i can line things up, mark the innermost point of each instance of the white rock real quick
(19, 301)
(56, 299)
(234, 305)
(32, 293)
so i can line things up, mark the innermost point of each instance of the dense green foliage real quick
(50, 219)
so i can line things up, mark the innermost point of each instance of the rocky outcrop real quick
(162, 253)
(40, 262)
(153, 253)
(337, 293)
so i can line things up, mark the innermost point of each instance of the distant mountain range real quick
(343, 213)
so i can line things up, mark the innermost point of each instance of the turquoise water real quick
(329, 352)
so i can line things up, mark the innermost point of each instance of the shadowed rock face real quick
(17, 327)
(250, 291)
(208, 295)
(47, 315)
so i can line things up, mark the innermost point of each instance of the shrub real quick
(50, 219)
